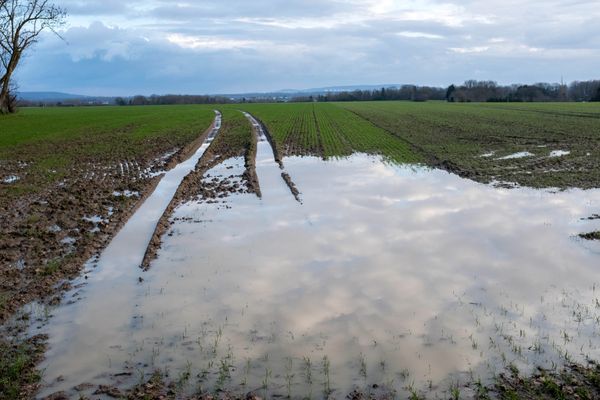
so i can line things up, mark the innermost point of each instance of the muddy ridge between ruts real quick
(213, 189)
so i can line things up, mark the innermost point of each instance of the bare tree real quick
(21, 23)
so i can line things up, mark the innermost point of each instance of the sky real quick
(118, 47)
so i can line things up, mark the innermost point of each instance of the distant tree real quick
(139, 100)
(120, 101)
(21, 22)
(597, 96)
(450, 93)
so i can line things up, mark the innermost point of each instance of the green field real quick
(235, 135)
(56, 142)
(452, 136)
(474, 139)
(327, 130)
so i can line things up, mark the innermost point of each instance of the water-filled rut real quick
(271, 171)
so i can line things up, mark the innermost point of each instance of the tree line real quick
(170, 99)
(405, 92)
(471, 91)
(490, 91)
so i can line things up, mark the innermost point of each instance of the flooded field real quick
(383, 279)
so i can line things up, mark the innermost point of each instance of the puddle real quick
(126, 193)
(69, 240)
(514, 156)
(54, 229)
(11, 179)
(559, 153)
(401, 277)
(95, 219)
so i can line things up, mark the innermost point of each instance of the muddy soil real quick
(290, 183)
(46, 238)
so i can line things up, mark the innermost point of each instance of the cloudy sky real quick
(119, 47)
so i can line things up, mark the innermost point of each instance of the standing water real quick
(386, 278)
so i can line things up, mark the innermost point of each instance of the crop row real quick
(327, 130)
(480, 139)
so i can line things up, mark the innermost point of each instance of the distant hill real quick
(290, 93)
(348, 88)
(54, 97)
(49, 96)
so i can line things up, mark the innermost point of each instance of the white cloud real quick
(210, 43)
(410, 34)
(270, 44)
(468, 50)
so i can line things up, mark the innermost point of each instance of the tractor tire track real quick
(262, 135)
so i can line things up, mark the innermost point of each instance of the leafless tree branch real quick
(21, 23)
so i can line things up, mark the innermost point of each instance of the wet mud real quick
(574, 381)
(46, 238)
(290, 183)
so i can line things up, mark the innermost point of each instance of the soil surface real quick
(45, 239)
(290, 183)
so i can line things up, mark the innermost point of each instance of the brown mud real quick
(290, 183)
(46, 238)
(18, 360)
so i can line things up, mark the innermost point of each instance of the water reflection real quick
(408, 279)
